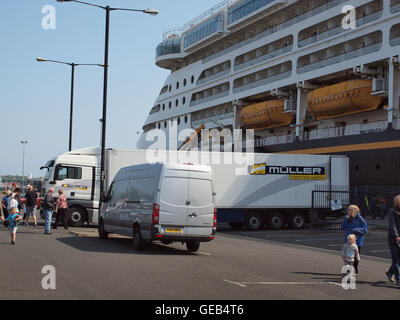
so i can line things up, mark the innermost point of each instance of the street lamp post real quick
(23, 142)
(108, 9)
(71, 110)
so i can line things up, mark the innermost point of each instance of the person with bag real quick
(61, 210)
(30, 201)
(355, 224)
(394, 241)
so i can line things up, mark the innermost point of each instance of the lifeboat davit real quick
(267, 114)
(342, 98)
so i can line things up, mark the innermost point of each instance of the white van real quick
(165, 202)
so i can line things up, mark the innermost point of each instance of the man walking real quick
(30, 201)
(48, 206)
(394, 241)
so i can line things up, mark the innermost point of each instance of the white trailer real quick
(251, 189)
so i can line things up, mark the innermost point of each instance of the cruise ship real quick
(308, 76)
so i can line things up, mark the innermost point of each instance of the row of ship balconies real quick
(177, 44)
(326, 133)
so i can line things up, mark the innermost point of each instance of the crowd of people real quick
(16, 210)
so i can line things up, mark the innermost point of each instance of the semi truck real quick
(252, 189)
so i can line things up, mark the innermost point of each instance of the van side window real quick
(64, 172)
(142, 189)
(110, 191)
(120, 191)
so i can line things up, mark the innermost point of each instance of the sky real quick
(35, 97)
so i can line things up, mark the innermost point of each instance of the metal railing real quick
(340, 57)
(261, 82)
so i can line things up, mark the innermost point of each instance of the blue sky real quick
(34, 97)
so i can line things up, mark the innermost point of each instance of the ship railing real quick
(265, 81)
(332, 132)
(339, 29)
(340, 57)
(395, 41)
(204, 16)
(276, 28)
(267, 56)
(395, 8)
(209, 98)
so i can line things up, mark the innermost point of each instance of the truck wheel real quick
(193, 245)
(254, 221)
(236, 225)
(77, 216)
(138, 242)
(297, 220)
(102, 232)
(276, 220)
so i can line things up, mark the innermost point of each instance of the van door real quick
(201, 206)
(173, 202)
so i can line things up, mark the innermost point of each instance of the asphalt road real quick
(234, 266)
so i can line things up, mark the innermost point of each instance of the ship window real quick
(165, 124)
(177, 85)
(192, 79)
(169, 88)
(176, 102)
(163, 107)
(186, 119)
(159, 126)
(179, 121)
(183, 100)
(169, 105)
(184, 82)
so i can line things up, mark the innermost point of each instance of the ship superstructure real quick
(308, 76)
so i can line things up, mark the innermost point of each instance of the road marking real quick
(341, 245)
(204, 253)
(379, 251)
(245, 284)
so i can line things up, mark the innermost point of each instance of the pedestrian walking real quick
(355, 224)
(48, 207)
(4, 204)
(350, 253)
(394, 241)
(12, 220)
(30, 202)
(61, 210)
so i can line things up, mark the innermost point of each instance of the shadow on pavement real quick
(117, 245)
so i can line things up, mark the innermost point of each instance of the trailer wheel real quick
(276, 220)
(77, 216)
(297, 220)
(254, 221)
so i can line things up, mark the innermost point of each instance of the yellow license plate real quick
(173, 230)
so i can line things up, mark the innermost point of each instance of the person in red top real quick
(61, 210)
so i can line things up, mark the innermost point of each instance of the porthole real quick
(159, 126)
(179, 121)
(176, 102)
(184, 82)
(183, 100)
(177, 85)
(192, 79)
(165, 124)
(163, 107)
(186, 119)
(169, 105)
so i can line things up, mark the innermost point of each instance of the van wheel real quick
(77, 216)
(102, 231)
(138, 242)
(193, 245)
(297, 221)
(276, 220)
(254, 221)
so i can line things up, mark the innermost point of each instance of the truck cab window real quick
(63, 172)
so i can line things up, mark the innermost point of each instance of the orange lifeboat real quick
(267, 114)
(342, 98)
